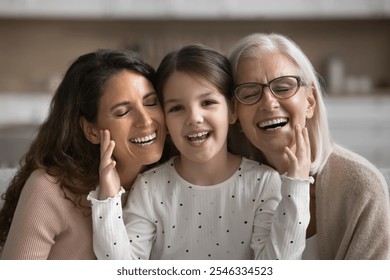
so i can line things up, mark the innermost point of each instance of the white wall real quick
(363, 125)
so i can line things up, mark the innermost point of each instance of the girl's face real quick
(197, 117)
(130, 110)
(269, 123)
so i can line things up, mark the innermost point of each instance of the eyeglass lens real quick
(282, 87)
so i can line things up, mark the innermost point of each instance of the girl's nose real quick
(194, 117)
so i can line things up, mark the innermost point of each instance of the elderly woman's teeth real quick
(275, 123)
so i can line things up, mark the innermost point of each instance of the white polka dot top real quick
(255, 214)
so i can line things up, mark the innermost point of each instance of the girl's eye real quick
(209, 102)
(175, 108)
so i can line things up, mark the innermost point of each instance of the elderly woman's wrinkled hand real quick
(300, 161)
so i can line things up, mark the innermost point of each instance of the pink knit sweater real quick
(46, 225)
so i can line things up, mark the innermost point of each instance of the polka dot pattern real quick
(179, 220)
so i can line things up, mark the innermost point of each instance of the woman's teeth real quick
(272, 124)
(198, 137)
(144, 140)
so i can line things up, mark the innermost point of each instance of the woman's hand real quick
(109, 178)
(300, 162)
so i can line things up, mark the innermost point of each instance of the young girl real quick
(204, 203)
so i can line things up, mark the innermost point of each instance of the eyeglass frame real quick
(300, 83)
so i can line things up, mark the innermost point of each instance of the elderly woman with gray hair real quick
(276, 89)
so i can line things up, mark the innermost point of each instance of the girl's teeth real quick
(198, 137)
(200, 134)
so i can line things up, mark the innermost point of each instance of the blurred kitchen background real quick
(348, 41)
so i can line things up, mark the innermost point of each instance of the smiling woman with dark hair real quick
(46, 214)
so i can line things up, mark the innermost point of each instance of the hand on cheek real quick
(109, 178)
(300, 161)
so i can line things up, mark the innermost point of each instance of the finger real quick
(306, 140)
(107, 169)
(300, 145)
(291, 157)
(104, 141)
(106, 156)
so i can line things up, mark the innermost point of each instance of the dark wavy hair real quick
(60, 147)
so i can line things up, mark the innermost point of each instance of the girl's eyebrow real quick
(174, 100)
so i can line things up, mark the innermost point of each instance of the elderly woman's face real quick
(269, 123)
(130, 110)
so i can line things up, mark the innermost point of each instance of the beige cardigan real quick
(46, 225)
(353, 213)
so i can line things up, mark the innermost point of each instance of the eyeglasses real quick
(281, 87)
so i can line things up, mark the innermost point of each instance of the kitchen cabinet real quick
(198, 9)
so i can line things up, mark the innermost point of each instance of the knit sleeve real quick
(38, 219)
(280, 228)
(122, 233)
(110, 239)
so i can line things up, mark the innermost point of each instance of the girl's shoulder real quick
(255, 171)
(161, 168)
(249, 164)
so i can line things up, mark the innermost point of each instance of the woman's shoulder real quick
(41, 184)
(353, 170)
(348, 160)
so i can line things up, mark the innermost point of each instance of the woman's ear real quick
(91, 132)
(311, 102)
(233, 111)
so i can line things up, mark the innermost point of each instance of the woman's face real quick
(197, 117)
(130, 110)
(269, 123)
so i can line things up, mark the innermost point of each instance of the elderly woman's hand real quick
(300, 162)
(109, 178)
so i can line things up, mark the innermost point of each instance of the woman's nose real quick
(268, 102)
(144, 118)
